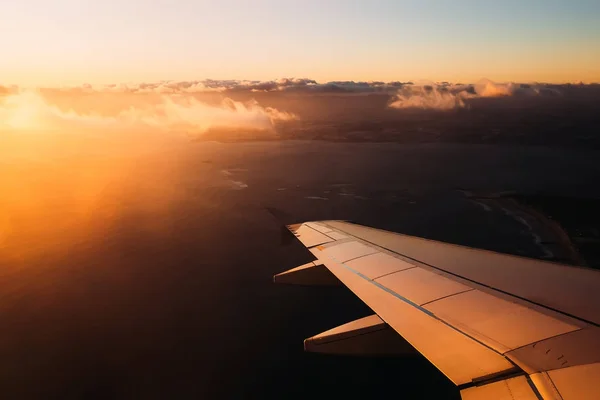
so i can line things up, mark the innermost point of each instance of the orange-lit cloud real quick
(428, 96)
(446, 96)
(30, 110)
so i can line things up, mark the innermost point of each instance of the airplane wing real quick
(498, 326)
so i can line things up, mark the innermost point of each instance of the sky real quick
(65, 42)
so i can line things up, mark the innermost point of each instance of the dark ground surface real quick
(163, 287)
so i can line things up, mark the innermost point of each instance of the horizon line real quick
(309, 82)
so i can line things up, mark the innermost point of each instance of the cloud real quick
(428, 96)
(487, 88)
(448, 96)
(29, 110)
(189, 113)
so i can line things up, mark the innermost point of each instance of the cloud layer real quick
(30, 110)
(196, 107)
(483, 88)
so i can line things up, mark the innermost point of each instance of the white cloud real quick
(29, 110)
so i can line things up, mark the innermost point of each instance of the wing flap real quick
(459, 357)
(421, 286)
(376, 265)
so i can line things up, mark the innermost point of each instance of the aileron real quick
(459, 357)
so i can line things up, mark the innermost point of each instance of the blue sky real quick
(76, 41)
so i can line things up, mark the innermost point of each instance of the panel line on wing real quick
(551, 381)
(393, 272)
(534, 389)
(310, 237)
(333, 243)
(361, 256)
(449, 295)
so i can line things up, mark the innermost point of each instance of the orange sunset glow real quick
(421, 177)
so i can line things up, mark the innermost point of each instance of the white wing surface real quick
(497, 325)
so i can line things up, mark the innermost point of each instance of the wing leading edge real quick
(496, 325)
